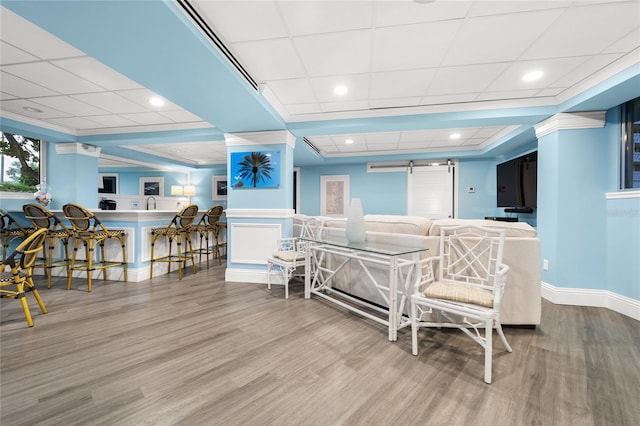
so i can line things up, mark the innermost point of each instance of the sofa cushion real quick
(512, 229)
(397, 224)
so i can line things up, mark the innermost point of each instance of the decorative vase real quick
(356, 229)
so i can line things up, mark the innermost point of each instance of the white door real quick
(430, 191)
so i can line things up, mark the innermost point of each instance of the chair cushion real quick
(459, 292)
(289, 256)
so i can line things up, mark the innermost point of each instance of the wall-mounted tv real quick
(517, 181)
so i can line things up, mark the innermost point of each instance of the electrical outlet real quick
(471, 189)
(545, 264)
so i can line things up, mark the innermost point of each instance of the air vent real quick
(207, 31)
(310, 145)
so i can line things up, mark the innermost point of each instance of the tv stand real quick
(519, 210)
(502, 218)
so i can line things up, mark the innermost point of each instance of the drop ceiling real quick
(415, 72)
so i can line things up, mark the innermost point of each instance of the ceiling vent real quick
(208, 32)
(310, 145)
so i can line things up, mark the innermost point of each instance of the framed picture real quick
(334, 195)
(257, 169)
(108, 183)
(219, 188)
(152, 186)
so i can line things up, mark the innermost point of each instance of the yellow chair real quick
(10, 229)
(88, 230)
(179, 229)
(210, 225)
(42, 218)
(21, 262)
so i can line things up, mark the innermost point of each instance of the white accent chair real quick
(288, 259)
(467, 291)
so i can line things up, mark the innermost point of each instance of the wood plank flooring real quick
(205, 352)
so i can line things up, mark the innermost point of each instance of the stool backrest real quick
(186, 216)
(41, 217)
(212, 216)
(81, 218)
(27, 251)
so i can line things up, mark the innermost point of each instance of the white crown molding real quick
(78, 148)
(590, 297)
(259, 213)
(570, 121)
(260, 138)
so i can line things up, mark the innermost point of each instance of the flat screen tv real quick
(517, 181)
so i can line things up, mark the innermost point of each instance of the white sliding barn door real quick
(430, 191)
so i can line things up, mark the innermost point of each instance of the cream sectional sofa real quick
(522, 298)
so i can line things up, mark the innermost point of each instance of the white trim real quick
(260, 138)
(592, 297)
(570, 121)
(259, 213)
(255, 276)
(78, 148)
(298, 183)
(16, 195)
(253, 243)
(622, 194)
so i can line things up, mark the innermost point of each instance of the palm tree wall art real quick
(257, 169)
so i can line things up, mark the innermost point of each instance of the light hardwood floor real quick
(205, 352)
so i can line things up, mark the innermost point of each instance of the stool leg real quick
(23, 301)
(88, 249)
(124, 256)
(76, 244)
(151, 260)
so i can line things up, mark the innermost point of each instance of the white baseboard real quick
(596, 298)
(256, 276)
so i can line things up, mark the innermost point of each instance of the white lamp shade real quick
(189, 190)
(176, 190)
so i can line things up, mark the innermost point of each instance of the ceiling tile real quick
(357, 84)
(112, 121)
(111, 102)
(69, 105)
(148, 118)
(412, 46)
(335, 54)
(18, 106)
(315, 17)
(270, 59)
(502, 95)
(586, 30)
(401, 84)
(497, 38)
(30, 38)
(483, 8)
(141, 97)
(408, 12)
(13, 55)
(394, 103)
(75, 123)
(181, 116)
(96, 72)
(54, 78)
(22, 88)
(243, 20)
(293, 91)
(464, 79)
(344, 106)
(4, 96)
(553, 69)
(298, 109)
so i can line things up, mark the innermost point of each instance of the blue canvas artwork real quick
(257, 169)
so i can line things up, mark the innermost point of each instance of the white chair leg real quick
(488, 350)
(414, 329)
(287, 276)
(269, 268)
(503, 338)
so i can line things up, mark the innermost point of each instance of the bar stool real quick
(209, 226)
(179, 229)
(21, 276)
(42, 218)
(88, 230)
(10, 229)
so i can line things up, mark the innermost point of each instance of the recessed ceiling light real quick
(533, 75)
(32, 109)
(156, 101)
(340, 90)
(455, 136)
(348, 141)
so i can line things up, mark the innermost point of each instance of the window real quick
(630, 170)
(19, 163)
(108, 183)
